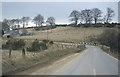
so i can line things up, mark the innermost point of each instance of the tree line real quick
(89, 16)
(85, 16)
(38, 20)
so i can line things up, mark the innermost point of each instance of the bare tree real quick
(86, 16)
(27, 20)
(39, 20)
(13, 21)
(35, 20)
(18, 21)
(10, 23)
(108, 17)
(96, 14)
(5, 25)
(5, 20)
(74, 16)
(23, 20)
(51, 21)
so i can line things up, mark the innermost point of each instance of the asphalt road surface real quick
(92, 61)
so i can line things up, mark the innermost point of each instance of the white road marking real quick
(94, 72)
(111, 56)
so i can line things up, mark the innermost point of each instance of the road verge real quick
(44, 60)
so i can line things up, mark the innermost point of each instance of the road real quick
(92, 61)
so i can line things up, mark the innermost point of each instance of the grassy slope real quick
(65, 33)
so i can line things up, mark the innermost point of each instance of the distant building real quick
(10, 33)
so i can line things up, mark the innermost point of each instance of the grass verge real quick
(112, 53)
(11, 66)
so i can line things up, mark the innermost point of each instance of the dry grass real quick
(18, 62)
(17, 54)
(65, 34)
(57, 34)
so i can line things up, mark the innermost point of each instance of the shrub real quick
(109, 38)
(29, 49)
(45, 41)
(18, 44)
(4, 46)
(51, 42)
(43, 45)
(15, 44)
(37, 46)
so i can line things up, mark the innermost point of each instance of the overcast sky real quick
(119, 12)
(60, 0)
(59, 10)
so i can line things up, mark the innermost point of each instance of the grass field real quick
(17, 62)
(65, 34)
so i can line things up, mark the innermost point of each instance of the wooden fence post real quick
(10, 51)
(23, 53)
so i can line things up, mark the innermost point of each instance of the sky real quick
(59, 0)
(59, 10)
(119, 11)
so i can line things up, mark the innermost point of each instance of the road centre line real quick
(94, 72)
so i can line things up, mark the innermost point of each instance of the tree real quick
(35, 21)
(13, 21)
(18, 21)
(23, 20)
(27, 20)
(74, 16)
(10, 22)
(109, 15)
(96, 14)
(111, 37)
(38, 20)
(51, 21)
(5, 25)
(5, 20)
(86, 16)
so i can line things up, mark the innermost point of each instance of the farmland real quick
(65, 34)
